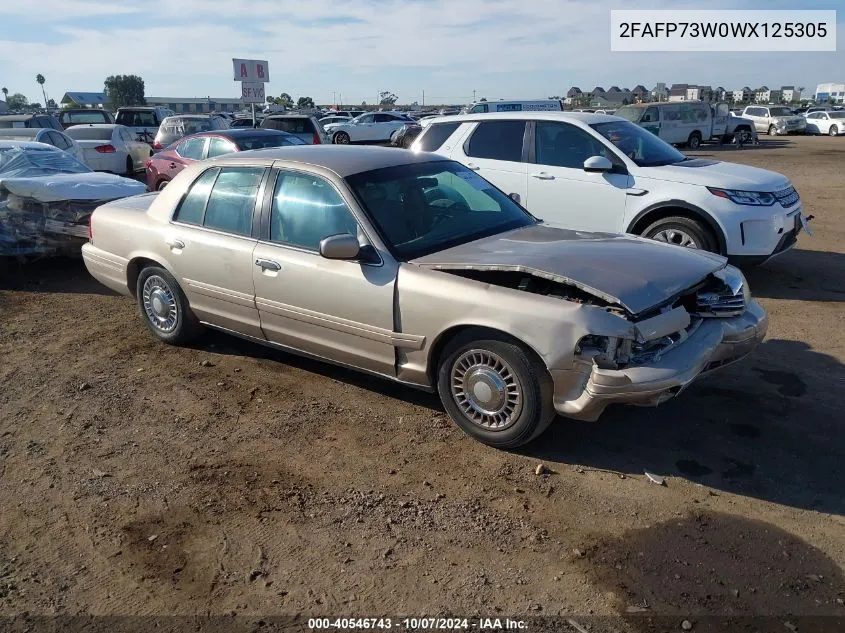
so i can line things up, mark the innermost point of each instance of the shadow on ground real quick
(721, 573)
(800, 275)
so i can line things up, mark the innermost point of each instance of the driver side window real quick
(564, 145)
(306, 209)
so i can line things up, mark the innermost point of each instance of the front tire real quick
(341, 138)
(495, 389)
(682, 231)
(164, 308)
(772, 130)
(832, 130)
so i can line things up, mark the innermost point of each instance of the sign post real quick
(253, 74)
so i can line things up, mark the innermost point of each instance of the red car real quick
(162, 167)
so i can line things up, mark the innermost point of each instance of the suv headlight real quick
(753, 198)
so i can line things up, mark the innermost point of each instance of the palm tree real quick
(40, 79)
(5, 93)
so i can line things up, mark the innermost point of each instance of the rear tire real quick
(161, 185)
(682, 231)
(495, 389)
(694, 140)
(164, 308)
(832, 130)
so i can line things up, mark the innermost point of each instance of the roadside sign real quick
(256, 70)
(252, 92)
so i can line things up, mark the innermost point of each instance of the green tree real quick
(304, 102)
(124, 90)
(387, 98)
(363, 104)
(285, 100)
(40, 79)
(51, 104)
(17, 101)
(5, 93)
(484, 99)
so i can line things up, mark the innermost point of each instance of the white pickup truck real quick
(689, 122)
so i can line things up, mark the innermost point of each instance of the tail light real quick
(147, 163)
(157, 145)
(105, 149)
(317, 140)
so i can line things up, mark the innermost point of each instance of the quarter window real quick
(436, 135)
(499, 140)
(306, 209)
(193, 206)
(232, 201)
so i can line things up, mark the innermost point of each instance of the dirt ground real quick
(141, 479)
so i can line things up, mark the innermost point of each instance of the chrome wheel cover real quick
(159, 304)
(486, 389)
(676, 237)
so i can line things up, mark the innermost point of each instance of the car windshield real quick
(630, 112)
(262, 141)
(73, 118)
(641, 146)
(186, 125)
(780, 112)
(427, 207)
(26, 162)
(90, 133)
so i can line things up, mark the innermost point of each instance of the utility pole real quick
(423, 105)
(473, 96)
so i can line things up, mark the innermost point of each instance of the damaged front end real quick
(648, 357)
(29, 226)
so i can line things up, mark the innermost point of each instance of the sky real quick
(349, 50)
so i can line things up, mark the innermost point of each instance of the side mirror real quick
(598, 164)
(343, 246)
(515, 197)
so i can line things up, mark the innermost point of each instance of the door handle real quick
(542, 176)
(473, 167)
(268, 264)
(175, 243)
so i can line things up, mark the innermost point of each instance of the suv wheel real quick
(833, 130)
(495, 389)
(682, 231)
(341, 138)
(772, 130)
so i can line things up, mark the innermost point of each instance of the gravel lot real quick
(136, 478)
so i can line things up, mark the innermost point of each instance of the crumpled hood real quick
(714, 173)
(633, 272)
(83, 186)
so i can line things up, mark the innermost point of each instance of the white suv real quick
(595, 172)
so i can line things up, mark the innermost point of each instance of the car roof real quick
(286, 116)
(587, 118)
(24, 131)
(344, 160)
(26, 145)
(78, 125)
(17, 117)
(237, 132)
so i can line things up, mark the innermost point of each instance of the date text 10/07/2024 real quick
(419, 624)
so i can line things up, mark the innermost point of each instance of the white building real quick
(830, 91)
(187, 105)
(766, 95)
(744, 95)
(790, 94)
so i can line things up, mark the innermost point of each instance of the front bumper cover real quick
(585, 391)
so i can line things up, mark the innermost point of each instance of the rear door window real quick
(192, 209)
(219, 146)
(232, 201)
(290, 125)
(498, 140)
(436, 135)
(191, 148)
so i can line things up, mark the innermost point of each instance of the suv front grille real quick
(787, 197)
